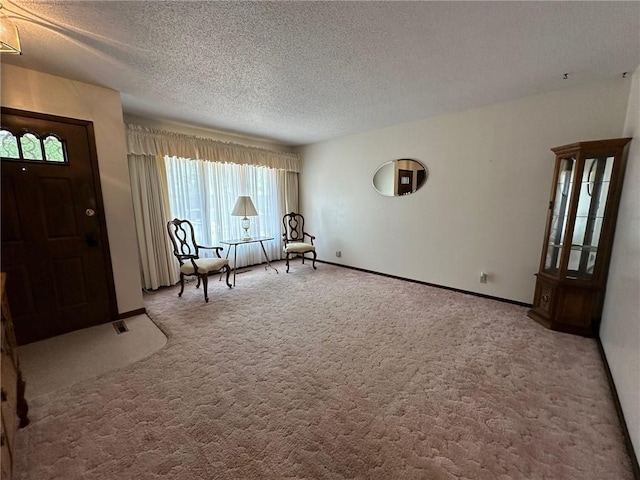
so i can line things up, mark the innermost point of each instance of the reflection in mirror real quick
(399, 177)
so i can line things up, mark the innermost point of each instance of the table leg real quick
(235, 252)
(267, 257)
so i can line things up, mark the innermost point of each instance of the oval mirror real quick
(399, 177)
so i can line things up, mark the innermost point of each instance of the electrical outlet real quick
(483, 277)
(338, 253)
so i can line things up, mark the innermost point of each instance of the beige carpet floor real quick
(335, 374)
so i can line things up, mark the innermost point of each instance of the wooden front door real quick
(54, 241)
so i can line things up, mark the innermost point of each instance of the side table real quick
(240, 241)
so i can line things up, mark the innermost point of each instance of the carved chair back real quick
(293, 224)
(183, 239)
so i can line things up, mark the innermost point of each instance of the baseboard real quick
(476, 294)
(616, 400)
(132, 313)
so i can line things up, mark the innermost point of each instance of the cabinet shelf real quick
(590, 248)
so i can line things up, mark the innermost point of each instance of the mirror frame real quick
(399, 183)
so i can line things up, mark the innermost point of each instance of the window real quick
(205, 193)
(29, 146)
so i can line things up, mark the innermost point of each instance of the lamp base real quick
(245, 226)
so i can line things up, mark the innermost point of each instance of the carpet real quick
(335, 374)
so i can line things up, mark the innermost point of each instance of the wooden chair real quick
(294, 236)
(187, 251)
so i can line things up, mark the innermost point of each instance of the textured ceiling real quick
(301, 72)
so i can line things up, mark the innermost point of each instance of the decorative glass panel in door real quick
(594, 190)
(560, 214)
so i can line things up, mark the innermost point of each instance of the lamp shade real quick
(9, 38)
(244, 207)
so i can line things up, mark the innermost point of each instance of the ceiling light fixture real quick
(9, 37)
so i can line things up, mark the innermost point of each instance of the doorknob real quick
(89, 212)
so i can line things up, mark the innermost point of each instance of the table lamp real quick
(244, 208)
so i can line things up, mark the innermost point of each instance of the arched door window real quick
(31, 147)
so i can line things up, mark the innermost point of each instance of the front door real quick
(405, 181)
(54, 242)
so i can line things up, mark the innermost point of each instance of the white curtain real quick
(158, 266)
(148, 141)
(199, 179)
(205, 192)
(288, 188)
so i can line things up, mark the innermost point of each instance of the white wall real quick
(620, 328)
(483, 207)
(38, 92)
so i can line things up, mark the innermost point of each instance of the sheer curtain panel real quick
(205, 193)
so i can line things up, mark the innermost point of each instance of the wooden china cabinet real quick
(583, 207)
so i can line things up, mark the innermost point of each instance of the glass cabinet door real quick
(594, 190)
(560, 214)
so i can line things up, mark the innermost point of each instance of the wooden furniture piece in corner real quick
(293, 238)
(14, 407)
(187, 251)
(583, 208)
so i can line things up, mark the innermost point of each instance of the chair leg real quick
(287, 257)
(22, 407)
(205, 282)
(228, 270)
(302, 258)
(315, 255)
(181, 284)
(198, 284)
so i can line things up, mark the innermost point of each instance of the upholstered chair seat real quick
(299, 247)
(205, 265)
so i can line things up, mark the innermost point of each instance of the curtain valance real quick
(147, 141)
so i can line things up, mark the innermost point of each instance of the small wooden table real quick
(239, 241)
